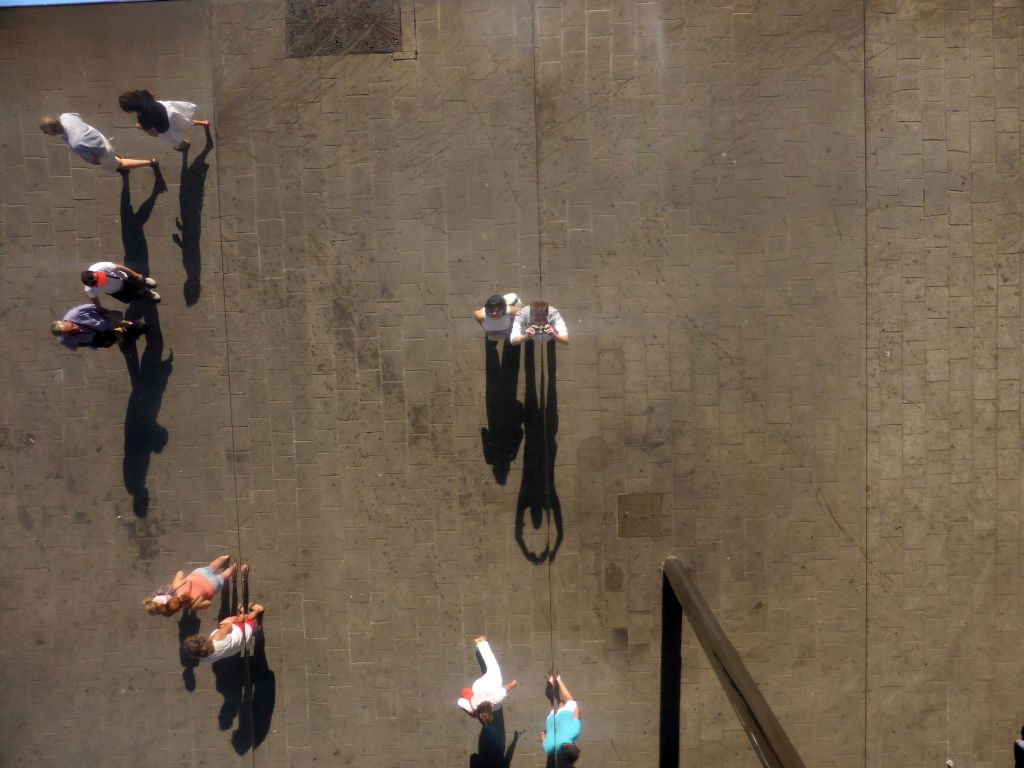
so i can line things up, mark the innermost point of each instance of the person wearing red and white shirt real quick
(487, 693)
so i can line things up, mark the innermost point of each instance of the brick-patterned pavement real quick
(793, 292)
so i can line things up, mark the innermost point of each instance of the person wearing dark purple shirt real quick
(88, 326)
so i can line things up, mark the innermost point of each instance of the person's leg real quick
(563, 692)
(217, 563)
(492, 672)
(127, 163)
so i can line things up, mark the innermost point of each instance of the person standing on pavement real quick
(195, 591)
(166, 120)
(118, 281)
(1018, 751)
(497, 314)
(539, 322)
(229, 638)
(88, 143)
(562, 726)
(88, 326)
(487, 693)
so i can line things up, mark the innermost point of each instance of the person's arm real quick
(510, 686)
(199, 604)
(223, 629)
(136, 276)
(465, 706)
(478, 315)
(96, 303)
(516, 337)
(179, 579)
(557, 328)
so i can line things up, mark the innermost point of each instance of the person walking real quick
(229, 638)
(487, 693)
(1018, 751)
(539, 322)
(88, 143)
(497, 314)
(166, 120)
(117, 281)
(88, 326)
(195, 591)
(562, 726)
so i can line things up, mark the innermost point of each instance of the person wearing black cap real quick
(166, 120)
(119, 281)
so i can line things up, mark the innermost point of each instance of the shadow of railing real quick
(681, 599)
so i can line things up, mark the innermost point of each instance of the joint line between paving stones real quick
(247, 673)
(867, 530)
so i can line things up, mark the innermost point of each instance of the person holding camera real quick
(87, 326)
(539, 322)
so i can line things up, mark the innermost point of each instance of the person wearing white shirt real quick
(231, 635)
(539, 322)
(497, 314)
(88, 143)
(119, 281)
(487, 693)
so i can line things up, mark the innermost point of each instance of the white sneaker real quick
(154, 296)
(150, 282)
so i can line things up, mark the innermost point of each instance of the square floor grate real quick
(639, 515)
(337, 27)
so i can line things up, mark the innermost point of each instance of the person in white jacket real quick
(487, 693)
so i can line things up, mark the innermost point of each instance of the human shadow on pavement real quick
(190, 222)
(133, 237)
(490, 748)
(143, 435)
(537, 492)
(503, 434)
(247, 683)
(188, 625)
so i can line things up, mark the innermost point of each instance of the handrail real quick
(681, 598)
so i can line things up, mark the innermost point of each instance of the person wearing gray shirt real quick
(88, 143)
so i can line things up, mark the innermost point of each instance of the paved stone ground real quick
(794, 292)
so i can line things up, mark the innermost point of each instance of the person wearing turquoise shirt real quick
(562, 726)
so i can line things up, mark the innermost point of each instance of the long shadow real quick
(190, 223)
(503, 434)
(490, 747)
(188, 625)
(133, 237)
(228, 674)
(537, 491)
(143, 435)
(247, 683)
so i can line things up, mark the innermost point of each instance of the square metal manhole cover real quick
(639, 515)
(336, 27)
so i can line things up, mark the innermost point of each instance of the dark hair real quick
(135, 101)
(538, 312)
(495, 302)
(568, 754)
(151, 113)
(485, 712)
(88, 277)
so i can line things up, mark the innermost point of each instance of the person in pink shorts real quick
(195, 591)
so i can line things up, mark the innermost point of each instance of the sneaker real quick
(150, 282)
(154, 296)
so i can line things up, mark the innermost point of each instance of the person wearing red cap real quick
(119, 281)
(487, 693)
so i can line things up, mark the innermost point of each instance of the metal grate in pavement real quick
(337, 27)
(639, 515)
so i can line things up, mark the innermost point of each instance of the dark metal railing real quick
(681, 599)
